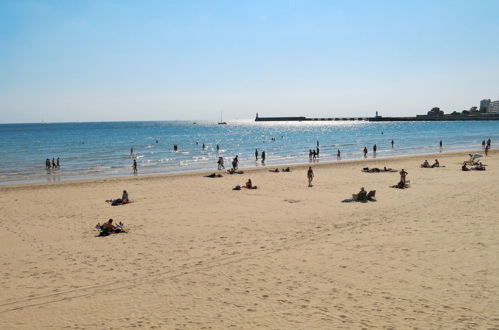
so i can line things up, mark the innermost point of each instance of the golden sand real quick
(284, 256)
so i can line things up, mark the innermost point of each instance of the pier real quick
(382, 119)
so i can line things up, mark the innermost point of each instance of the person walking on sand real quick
(220, 163)
(310, 176)
(256, 155)
(365, 152)
(134, 166)
(338, 155)
(263, 157)
(403, 175)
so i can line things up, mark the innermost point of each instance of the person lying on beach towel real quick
(371, 170)
(120, 201)
(377, 170)
(233, 171)
(401, 185)
(479, 167)
(362, 196)
(214, 175)
(108, 228)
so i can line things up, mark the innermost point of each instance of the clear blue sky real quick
(167, 60)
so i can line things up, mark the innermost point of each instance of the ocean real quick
(102, 149)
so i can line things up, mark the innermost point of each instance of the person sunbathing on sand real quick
(120, 201)
(364, 196)
(287, 169)
(233, 171)
(248, 184)
(213, 175)
(464, 167)
(479, 167)
(124, 197)
(108, 226)
(401, 185)
(436, 164)
(276, 170)
(425, 164)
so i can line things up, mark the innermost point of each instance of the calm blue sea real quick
(90, 150)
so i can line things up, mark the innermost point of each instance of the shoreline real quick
(255, 169)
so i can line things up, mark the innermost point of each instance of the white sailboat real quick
(221, 122)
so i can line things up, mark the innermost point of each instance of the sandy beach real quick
(284, 256)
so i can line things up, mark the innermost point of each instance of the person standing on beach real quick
(487, 150)
(53, 162)
(310, 176)
(235, 163)
(58, 162)
(483, 144)
(317, 152)
(365, 152)
(263, 157)
(375, 148)
(392, 144)
(441, 145)
(47, 164)
(403, 175)
(218, 148)
(317, 142)
(134, 166)
(220, 163)
(488, 143)
(338, 155)
(256, 155)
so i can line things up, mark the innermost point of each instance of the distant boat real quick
(221, 122)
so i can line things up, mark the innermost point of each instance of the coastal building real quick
(484, 105)
(494, 107)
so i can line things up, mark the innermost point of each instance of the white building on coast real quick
(493, 107)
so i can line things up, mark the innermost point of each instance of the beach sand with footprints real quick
(200, 255)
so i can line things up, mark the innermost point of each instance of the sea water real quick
(92, 150)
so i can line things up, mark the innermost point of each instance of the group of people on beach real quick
(54, 164)
(426, 164)
(313, 154)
